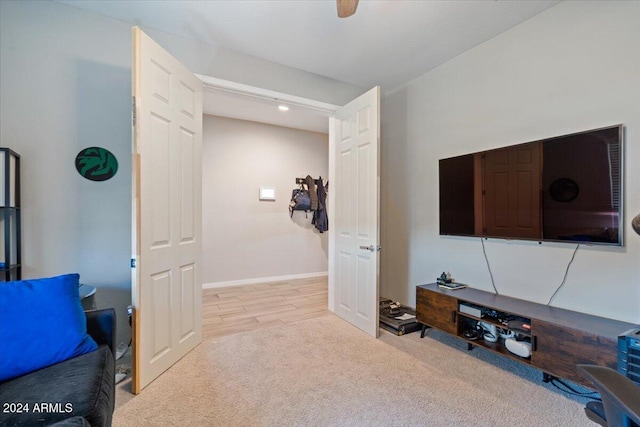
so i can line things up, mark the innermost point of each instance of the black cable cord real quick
(484, 251)
(570, 390)
(129, 316)
(566, 273)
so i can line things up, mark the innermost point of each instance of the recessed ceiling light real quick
(283, 108)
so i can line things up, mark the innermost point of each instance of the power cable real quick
(566, 273)
(570, 390)
(484, 251)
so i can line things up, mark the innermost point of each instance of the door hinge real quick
(133, 111)
(133, 263)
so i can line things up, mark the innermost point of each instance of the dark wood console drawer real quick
(437, 310)
(558, 350)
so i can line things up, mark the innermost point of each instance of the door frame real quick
(214, 83)
(323, 108)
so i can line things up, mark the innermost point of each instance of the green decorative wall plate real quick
(96, 164)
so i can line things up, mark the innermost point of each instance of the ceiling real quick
(386, 43)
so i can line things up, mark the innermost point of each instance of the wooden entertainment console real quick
(560, 339)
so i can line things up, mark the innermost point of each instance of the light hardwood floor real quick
(236, 309)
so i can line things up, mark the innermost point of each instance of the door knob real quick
(372, 248)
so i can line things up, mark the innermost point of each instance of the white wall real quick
(243, 237)
(574, 67)
(66, 85)
(229, 65)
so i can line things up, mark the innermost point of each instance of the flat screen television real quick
(563, 189)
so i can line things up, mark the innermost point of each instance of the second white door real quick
(353, 277)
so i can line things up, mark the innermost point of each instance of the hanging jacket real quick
(313, 193)
(320, 218)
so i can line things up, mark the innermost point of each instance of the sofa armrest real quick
(101, 325)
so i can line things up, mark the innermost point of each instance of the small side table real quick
(87, 297)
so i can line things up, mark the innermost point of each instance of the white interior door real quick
(354, 162)
(167, 210)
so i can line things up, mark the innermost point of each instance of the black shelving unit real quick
(10, 216)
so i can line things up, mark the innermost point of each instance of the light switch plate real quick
(267, 193)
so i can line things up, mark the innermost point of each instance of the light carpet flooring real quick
(325, 372)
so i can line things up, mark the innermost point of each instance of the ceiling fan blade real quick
(346, 8)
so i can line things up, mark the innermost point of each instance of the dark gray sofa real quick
(78, 391)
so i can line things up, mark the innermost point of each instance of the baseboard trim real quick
(214, 285)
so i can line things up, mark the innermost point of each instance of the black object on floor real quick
(389, 311)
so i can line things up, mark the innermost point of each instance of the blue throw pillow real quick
(41, 323)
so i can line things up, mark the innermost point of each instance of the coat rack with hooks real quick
(316, 181)
(304, 181)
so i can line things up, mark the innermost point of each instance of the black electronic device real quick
(472, 309)
(567, 189)
(396, 318)
(519, 325)
(629, 354)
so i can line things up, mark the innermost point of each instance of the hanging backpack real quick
(300, 200)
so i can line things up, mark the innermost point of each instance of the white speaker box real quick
(520, 348)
